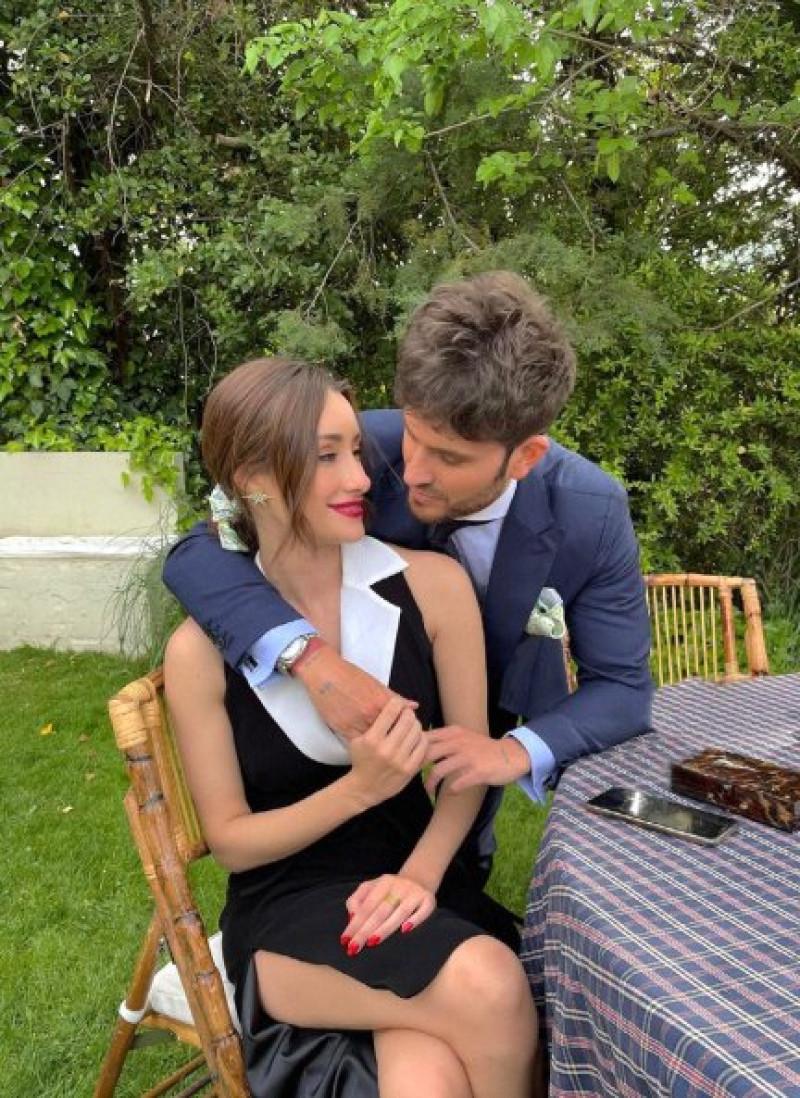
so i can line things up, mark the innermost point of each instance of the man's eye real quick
(450, 459)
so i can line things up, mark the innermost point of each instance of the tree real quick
(209, 182)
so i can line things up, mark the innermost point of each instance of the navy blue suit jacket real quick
(568, 528)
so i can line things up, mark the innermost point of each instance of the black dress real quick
(296, 906)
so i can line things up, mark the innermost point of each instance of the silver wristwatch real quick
(292, 652)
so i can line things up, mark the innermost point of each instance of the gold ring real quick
(392, 900)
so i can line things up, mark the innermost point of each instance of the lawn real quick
(75, 904)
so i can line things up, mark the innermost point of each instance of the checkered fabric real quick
(665, 968)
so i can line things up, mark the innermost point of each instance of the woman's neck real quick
(308, 578)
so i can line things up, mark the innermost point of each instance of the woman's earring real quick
(258, 497)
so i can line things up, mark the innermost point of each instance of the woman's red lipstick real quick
(353, 510)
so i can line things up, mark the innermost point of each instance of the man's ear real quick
(523, 457)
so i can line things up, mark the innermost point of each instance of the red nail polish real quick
(345, 939)
(352, 949)
(375, 940)
(407, 925)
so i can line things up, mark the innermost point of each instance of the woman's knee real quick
(485, 978)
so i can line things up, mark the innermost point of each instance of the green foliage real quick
(703, 425)
(184, 187)
(51, 369)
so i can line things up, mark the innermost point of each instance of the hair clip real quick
(258, 497)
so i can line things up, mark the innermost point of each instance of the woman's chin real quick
(346, 536)
(356, 534)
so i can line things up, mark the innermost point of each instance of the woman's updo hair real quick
(263, 417)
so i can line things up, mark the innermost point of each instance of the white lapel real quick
(368, 635)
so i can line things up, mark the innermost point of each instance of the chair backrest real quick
(698, 630)
(168, 837)
(140, 720)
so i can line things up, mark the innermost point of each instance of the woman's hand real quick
(379, 907)
(389, 754)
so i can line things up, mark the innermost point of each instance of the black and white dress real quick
(296, 906)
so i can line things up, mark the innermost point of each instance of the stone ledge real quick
(69, 547)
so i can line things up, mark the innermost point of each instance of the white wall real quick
(70, 535)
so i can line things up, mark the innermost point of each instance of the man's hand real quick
(468, 759)
(348, 699)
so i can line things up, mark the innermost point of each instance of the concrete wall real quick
(71, 537)
(50, 494)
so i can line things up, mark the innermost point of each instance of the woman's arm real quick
(452, 619)
(389, 756)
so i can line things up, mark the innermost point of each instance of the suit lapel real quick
(528, 542)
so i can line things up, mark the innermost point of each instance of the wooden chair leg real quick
(131, 1011)
(195, 1086)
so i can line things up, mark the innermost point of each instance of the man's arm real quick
(224, 592)
(610, 641)
(609, 629)
(246, 617)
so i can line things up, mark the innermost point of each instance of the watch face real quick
(292, 652)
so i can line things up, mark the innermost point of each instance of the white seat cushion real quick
(167, 994)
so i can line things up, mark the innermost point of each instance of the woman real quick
(347, 908)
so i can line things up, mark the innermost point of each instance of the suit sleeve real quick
(224, 592)
(609, 630)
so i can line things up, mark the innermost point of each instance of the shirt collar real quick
(497, 509)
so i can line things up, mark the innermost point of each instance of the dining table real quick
(663, 968)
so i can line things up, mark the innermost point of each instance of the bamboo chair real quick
(694, 629)
(168, 837)
(694, 626)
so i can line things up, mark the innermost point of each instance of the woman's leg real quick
(479, 1005)
(491, 1019)
(415, 1065)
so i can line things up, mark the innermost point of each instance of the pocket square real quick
(547, 617)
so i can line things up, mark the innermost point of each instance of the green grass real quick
(75, 904)
(74, 901)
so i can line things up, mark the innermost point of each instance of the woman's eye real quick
(327, 457)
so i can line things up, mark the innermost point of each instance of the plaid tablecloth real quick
(665, 968)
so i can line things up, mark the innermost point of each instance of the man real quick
(484, 370)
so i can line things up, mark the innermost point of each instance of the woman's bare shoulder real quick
(190, 648)
(434, 576)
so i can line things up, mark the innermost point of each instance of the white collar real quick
(368, 561)
(364, 562)
(368, 635)
(497, 509)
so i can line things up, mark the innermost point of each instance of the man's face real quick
(449, 476)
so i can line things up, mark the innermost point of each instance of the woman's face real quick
(334, 506)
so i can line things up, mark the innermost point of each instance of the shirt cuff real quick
(258, 665)
(543, 763)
